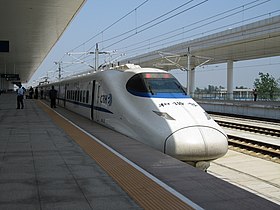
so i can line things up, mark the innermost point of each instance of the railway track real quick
(241, 143)
(251, 128)
(254, 148)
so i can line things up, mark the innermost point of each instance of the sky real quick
(126, 28)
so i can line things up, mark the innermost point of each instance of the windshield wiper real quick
(150, 89)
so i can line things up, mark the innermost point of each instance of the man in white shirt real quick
(20, 94)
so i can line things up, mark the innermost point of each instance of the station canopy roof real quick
(29, 30)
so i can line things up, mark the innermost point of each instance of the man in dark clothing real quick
(53, 95)
(31, 92)
(20, 93)
(255, 94)
(42, 93)
(36, 93)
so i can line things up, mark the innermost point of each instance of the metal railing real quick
(240, 97)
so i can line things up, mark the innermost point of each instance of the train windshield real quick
(155, 85)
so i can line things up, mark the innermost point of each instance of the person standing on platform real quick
(255, 94)
(31, 91)
(53, 96)
(42, 93)
(20, 94)
(36, 93)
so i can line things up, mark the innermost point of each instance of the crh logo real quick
(106, 99)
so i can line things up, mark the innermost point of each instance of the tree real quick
(266, 85)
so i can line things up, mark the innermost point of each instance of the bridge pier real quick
(230, 79)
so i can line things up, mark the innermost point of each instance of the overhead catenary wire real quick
(195, 22)
(148, 27)
(214, 40)
(108, 27)
(200, 21)
(111, 25)
(159, 42)
(87, 58)
(234, 37)
(149, 22)
(222, 18)
(215, 68)
(239, 21)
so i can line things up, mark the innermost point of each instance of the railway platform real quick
(256, 109)
(55, 159)
(41, 167)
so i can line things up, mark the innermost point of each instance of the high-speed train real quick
(148, 105)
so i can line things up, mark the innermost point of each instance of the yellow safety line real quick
(147, 193)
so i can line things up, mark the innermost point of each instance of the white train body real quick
(148, 105)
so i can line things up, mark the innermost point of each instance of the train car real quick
(148, 105)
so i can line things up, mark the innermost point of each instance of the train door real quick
(97, 101)
(92, 100)
(65, 95)
(59, 95)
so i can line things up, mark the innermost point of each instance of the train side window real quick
(87, 96)
(84, 96)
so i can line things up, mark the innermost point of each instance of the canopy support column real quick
(191, 77)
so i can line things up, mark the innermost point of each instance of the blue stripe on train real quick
(160, 95)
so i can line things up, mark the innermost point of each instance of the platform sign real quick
(13, 79)
(4, 46)
(10, 77)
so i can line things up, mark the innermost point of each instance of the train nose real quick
(196, 143)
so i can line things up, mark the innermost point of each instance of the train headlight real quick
(164, 115)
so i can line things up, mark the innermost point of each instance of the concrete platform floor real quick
(43, 168)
